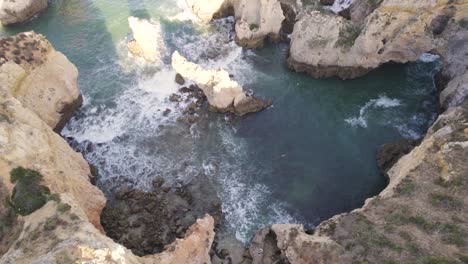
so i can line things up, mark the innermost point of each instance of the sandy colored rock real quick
(40, 77)
(326, 45)
(147, 42)
(13, 12)
(223, 94)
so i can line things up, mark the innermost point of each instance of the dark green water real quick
(308, 157)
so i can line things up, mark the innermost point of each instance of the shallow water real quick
(309, 156)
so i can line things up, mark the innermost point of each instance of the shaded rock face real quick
(325, 45)
(146, 222)
(390, 153)
(59, 232)
(147, 40)
(18, 11)
(42, 79)
(223, 94)
(10, 224)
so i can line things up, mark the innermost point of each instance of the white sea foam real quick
(381, 102)
(428, 57)
(340, 5)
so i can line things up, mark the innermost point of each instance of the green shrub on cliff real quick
(348, 35)
(27, 195)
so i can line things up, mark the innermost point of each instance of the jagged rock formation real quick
(146, 222)
(255, 20)
(223, 94)
(18, 11)
(40, 77)
(59, 232)
(147, 42)
(326, 45)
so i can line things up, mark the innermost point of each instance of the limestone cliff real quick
(40, 77)
(147, 40)
(13, 12)
(324, 44)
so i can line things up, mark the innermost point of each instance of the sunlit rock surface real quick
(147, 42)
(18, 11)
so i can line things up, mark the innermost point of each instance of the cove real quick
(308, 157)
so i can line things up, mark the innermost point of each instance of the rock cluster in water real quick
(147, 221)
(18, 11)
(223, 93)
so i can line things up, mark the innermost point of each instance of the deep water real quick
(309, 156)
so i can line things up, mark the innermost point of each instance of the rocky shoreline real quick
(420, 217)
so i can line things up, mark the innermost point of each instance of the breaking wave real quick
(382, 102)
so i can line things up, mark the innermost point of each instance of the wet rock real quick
(174, 98)
(147, 221)
(251, 105)
(327, 2)
(390, 153)
(166, 112)
(179, 79)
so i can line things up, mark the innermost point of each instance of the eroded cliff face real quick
(18, 11)
(256, 20)
(324, 44)
(40, 77)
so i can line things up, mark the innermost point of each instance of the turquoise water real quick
(309, 156)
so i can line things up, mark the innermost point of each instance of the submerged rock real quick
(223, 94)
(40, 77)
(146, 222)
(13, 12)
(147, 40)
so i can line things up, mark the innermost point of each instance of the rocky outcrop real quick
(40, 77)
(326, 45)
(146, 222)
(13, 12)
(256, 20)
(60, 233)
(147, 40)
(420, 217)
(26, 125)
(223, 94)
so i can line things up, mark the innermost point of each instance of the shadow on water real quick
(138, 9)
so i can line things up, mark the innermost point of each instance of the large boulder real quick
(147, 40)
(37, 84)
(60, 233)
(40, 77)
(13, 12)
(223, 94)
(326, 45)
